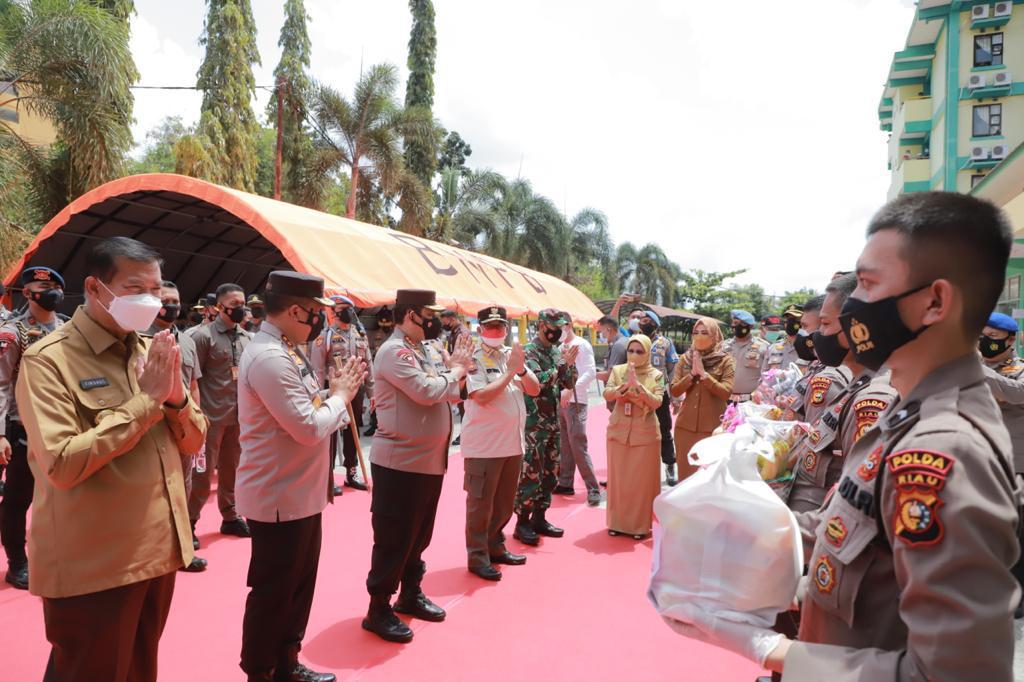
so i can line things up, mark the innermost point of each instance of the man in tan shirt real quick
(107, 416)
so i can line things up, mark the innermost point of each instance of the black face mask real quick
(48, 300)
(236, 315)
(553, 335)
(874, 330)
(344, 315)
(431, 327)
(259, 312)
(993, 348)
(828, 350)
(804, 347)
(648, 330)
(792, 327)
(741, 331)
(315, 320)
(169, 313)
(195, 318)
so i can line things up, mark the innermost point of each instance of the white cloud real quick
(737, 134)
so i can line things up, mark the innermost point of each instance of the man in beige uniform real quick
(782, 353)
(749, 352)
(910, 575)
(409, 460)
(107, 417)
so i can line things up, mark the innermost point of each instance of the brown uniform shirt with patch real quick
(910, 574)
(1006, 379)
(109, 506)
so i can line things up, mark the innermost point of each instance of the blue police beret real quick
(1004, 322)
(654, 316)
(41, 274)
(743, 316)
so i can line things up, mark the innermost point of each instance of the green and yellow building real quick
(953, 104)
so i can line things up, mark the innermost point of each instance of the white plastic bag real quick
(725, 546)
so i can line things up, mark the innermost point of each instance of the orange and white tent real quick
(210, 234)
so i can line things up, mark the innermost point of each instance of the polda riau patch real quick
(819, 389)
(824, 575)
(919, 476)
(867, 412)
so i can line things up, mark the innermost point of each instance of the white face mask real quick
(634, 325)
(135, 312)
(493, 342)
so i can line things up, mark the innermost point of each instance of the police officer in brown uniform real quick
(409, 460)
(748, 351)
(782, 353)
(840, 410)
(810, 321)
(910, 576)
(190, 373)
(219, 347)
(43, 288)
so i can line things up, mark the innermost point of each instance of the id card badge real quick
(627, 409)
(234, 372)
(656, 361)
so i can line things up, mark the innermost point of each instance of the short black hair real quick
(385, 315)
(228, 288)
(401, 311)
(275, 304)
(168, 284)
(448, 312)
(567, 316)
(813, 304)
(842, 287)
(607, 321)
(102, 259)
(952, 236)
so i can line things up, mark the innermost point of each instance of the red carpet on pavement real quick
(576, 611)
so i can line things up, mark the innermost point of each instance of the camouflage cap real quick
(553, 317)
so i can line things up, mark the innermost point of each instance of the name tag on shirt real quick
(627, 409)
(96, 382)
(656, 361)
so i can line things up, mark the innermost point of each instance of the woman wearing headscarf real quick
(705, 374)
(634, 441)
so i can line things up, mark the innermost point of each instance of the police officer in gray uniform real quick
(749, 352)
(409, 460)
(44, 290)
(782, 353)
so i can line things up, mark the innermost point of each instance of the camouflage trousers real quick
(540, 468)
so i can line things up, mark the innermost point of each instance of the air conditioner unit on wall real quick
(977, 80)
(979, 12)
(980, 153)
(999, 151)
(1002, 9)
(1002, 78)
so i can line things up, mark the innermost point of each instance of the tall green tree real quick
(122, 9)
(701, 291)
(462, 205)
(227, 125)
(454, 153)
(291, 76)
(69, 62)
(581, 243)
(158, 151)
(796, 297)
(647, 271)
(421, 151)
(365, 139)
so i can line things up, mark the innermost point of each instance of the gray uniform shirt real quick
(285, 430)
(616, 356)
(1006, 379)
(219, 350)
(414, 420)
(781, 355)
(910, 574)
(749, 354)
(339, 343)
(189, 361)
(16, 335)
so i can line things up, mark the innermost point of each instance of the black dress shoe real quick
(198, 565)
(524, 533)
(238, 528)
(338, 492)
(604, 484)
(509, 559)
(486, 572)
(195, 539)
(418, 606)
(564, 490)
(542, 527)
(382, 621)
(351, 481)
(17, 575)
(301, 673)
(457, 441)
(370, 431)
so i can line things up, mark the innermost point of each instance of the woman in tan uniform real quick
(634, 441)
(705, 374)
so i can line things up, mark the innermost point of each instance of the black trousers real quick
(111, 635)
(17, 497)
(668, 450)
(403, 509)
(282, 577)
(348, 435)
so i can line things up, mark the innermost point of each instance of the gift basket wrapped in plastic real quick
(778, 387)
(776, 468)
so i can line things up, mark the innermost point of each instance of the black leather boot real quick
(382, 621)
(542, 527)
(524, 531)
(417, 605)
(351, 481)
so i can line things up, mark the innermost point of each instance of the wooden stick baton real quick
(359, 446)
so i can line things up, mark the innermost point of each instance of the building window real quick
(976, 178)
(988, 50)
(1011, 293)
(988, 120)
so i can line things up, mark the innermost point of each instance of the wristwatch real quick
(521, 374)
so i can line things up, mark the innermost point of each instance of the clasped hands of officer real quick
(461, 360)
(517, 358)
(159, 375)
(345, 379)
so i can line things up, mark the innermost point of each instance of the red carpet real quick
(576, 611)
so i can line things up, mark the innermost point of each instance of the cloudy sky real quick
(734, 133)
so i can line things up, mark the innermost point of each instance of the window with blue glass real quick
(988, 49)
(987, 120)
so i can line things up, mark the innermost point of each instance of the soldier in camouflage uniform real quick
(554, 371)
(44, 290)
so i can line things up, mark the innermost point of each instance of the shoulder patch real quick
(866, 413)
(819, 389)
(919, 476)
(407, 356)
(868, 469)
(8, 339)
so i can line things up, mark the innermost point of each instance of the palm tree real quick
(69, 62)
(583, 241)
(462, 211)
(647, 271)
(365, 137)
